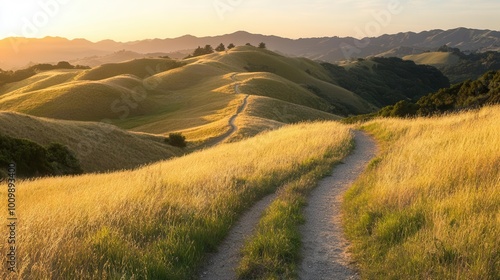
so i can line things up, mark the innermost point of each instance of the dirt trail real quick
(324, 246)
(221, 265)
(232, 127)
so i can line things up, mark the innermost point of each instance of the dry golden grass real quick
(265, 114)
(156, 222)
(155, 96)
(98, 147)
(429, 207)
(40, 81)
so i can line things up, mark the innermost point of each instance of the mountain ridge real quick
(17, 52)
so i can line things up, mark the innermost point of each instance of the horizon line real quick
(232, 33)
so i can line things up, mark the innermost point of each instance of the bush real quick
(62, 160)
(33, 160)
(177, 140)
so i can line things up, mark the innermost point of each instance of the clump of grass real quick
(428, 207)
(156, 222)
(274, 250)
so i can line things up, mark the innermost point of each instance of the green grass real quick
(274, 250)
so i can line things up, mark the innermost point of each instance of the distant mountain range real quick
(20, 52)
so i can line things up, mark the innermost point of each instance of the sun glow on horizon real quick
(134, 20)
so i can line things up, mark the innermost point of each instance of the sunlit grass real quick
(156, 222)
(274, 250)
(429, 207)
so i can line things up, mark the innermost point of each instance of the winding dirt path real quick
(232, 127)
(221, 265)
(324, 247)
(323, 244)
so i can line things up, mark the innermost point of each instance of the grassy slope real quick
(197, 98)
(434, 58)
(158, 221)
(429, 207)
(141, 68)
(263, 114)
(98, 147)
(300, 71)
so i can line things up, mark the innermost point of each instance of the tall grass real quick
(274, 250)
(156, 222)
(429, 206)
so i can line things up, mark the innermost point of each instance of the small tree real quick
(220, 48)
(199, 51)
(231, 46)
(208, 49)
(177, 140)
(262, 45)
(248, 44)
(64, 65)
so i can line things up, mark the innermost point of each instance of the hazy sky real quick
(126, 20)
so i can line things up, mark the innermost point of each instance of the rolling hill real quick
(143, 100)
(458, 66)
(162, 95)
(97, 146)
(385, 81)
(198, 96)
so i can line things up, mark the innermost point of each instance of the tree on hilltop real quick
(231, 46)
(262, 45)
(220, 48)
(202, 51)
(208, 49)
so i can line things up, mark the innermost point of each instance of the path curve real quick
(232, 127)
(323, 244)
(221, 265)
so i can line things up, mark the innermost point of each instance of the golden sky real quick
(129, 20)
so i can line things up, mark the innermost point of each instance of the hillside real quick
(195, 96)
(385, 81)
(160, 220)
(429, 205)
(458, 66)
(97, 146)
(19, 52)
(459, 97)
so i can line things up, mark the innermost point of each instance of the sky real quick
(129, 20)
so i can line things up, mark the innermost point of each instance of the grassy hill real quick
(196, 96)
(385, 81)
(301, 71)
(141, 68)
(158, 221)
(97, 146)
(458, 66)
(459, 97)
(434, 58)
(429, 206)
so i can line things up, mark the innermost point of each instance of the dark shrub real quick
(177, 140)
(33, 160)
(62, 160)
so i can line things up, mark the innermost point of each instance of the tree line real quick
(19, 75)
(208, 49)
